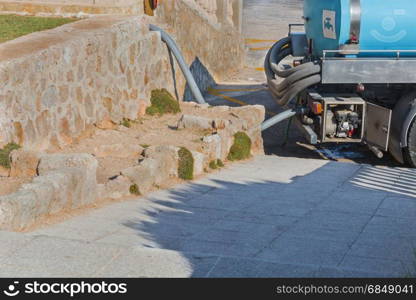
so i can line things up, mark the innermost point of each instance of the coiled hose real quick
(296, 79)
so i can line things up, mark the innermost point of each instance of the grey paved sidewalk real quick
(269, 217)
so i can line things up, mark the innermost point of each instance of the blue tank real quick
(384, 25)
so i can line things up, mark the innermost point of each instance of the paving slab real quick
(228, 222)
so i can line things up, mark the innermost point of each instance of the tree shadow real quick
(286, 226)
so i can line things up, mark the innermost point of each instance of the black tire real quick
(409, 152)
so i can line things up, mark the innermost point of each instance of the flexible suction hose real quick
(296, 79)
(308, 71)
(182, 64)
(278, 118)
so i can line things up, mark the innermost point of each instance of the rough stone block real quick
(167, 158)
(227, 140)
(257, 145)
(160, 164)
(66, 188)
(221, 108)
(118, 150)
(199, 162)
(101, 192)
(24, 163)
(84, 162)
(212, 146)
(46, 195)
(254, 115)
(203, 123)
(18, 210)
(43, 201)
(143, 175)
(117, 188)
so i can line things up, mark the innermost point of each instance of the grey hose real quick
(298, 87)
(278, 118)
(182, 64)
(280, 56)
(297, 79)
(287, 72)
(276, 49)
(300, 74)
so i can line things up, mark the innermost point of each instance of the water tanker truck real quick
(348, 74)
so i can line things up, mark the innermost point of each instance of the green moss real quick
(216, 164)
(5, 153)
(241, 148)
(186, 164)
(213, 164)
(145, 146)
(162, 102)
(12, 26)
(126, 123)
(152, 110)
(134, 190)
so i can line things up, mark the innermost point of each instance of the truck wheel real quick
(410, 150)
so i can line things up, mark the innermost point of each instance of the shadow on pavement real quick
(357, 223)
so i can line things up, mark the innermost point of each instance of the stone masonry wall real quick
(207, 29)
(55, 85)
(127, 7)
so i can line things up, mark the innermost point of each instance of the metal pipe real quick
(377, 152)
(278, 118)
(182, 64)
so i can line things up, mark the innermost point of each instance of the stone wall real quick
(71, 7)
(208, 30)
(55, 85)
